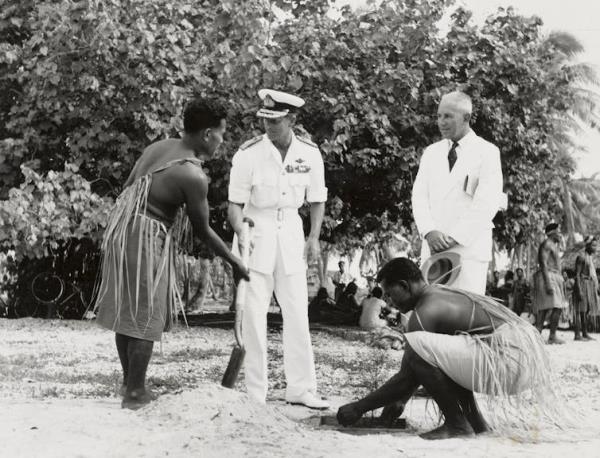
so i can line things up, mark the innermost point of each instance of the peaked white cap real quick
(277, 104)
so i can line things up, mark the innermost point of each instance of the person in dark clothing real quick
(348, 305)
(504, 292)
(520, 293)
(321, 307)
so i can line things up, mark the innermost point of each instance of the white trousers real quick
(298, 361)
(472, 276)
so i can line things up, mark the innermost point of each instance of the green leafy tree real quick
(93, 82)
(579, 196)
(45, 210)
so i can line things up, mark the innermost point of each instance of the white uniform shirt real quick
(344, 278)
(461, 202)
(271, 191)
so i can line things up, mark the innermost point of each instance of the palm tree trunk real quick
(324, 263)
(568, 209)
(529, 259)
(186, 285)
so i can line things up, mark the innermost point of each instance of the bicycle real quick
(49, 290)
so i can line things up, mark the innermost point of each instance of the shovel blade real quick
(233, 368)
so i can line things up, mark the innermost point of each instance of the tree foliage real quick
(585, 205)
(47, 210)
(92, 82)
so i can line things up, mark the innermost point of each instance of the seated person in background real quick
(372, 308)
(504, 292)
(321, 307)
(348, 305)
(347, 300)
(341, 279)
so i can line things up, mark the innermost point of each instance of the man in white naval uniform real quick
(457, 192)
(272, 176)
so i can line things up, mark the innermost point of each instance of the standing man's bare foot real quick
(135, 400)
(555, 341)
(447, 431)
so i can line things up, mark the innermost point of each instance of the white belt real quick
(278, 214)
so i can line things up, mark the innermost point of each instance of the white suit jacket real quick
(463, 202)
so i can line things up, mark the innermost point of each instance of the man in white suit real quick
(457, 192)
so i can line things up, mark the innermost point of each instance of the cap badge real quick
(268, 102)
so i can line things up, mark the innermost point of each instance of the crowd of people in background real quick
(516, 294)
(513, 292)
(349, 305)
(368, 309)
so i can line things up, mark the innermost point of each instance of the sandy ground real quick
(58, 384)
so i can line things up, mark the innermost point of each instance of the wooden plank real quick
(366, 422)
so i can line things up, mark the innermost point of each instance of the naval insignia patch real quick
(251, 142)
(308, 141)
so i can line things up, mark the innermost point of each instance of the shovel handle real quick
(240, 297)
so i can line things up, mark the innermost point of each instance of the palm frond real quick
(584, 72)
(585, 203)
(565, 42)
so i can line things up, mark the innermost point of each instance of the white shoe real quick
(309, 400)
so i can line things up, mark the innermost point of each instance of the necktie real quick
(452, 155)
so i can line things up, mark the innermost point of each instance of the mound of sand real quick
(217, 408)
(229, 423)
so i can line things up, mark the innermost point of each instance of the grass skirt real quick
(138, 294)
(589, 298)
(463, 358)
(509, 366)
(544, 301)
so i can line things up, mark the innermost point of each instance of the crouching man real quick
(457, 343)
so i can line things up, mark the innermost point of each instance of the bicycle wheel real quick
(72, 304)
(47, 288)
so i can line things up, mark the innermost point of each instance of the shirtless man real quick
(585, 292)
(138, 291)
(457, 343)
(548, 290)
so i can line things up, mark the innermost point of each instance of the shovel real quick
(237, 355)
